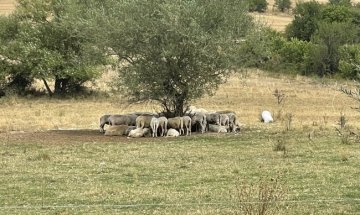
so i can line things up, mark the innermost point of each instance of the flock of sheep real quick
(141, 124)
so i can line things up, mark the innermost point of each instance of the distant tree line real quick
(323, 40)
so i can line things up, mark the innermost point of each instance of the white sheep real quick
(176, 123)
(163, 125)
(143, 121)
(187, 124)
(116, 119)
(266, 117)
(104, 120)
(154, 124)
(172, 133)
(217, 128)
(139, 132)
(126, 119)
(199, 121)
(116, 130)
(224, 119)
(233, 124)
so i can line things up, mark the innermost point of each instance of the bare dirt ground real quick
(80, 136)
(60, 137)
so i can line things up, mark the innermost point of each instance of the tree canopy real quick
(43, 39)
(173, 52)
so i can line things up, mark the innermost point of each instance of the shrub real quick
(263, 197)
(336, 13)
(282, 5)
(340, 2)
(349, 63)
(257, 5)
(305, 20)
(293, 53)
(324, 59)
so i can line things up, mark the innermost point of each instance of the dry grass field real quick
(311, 103)
(53, 159)
(6, 6)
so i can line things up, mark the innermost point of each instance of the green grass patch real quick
(201, 174)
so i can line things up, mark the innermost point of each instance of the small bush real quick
(329, 37)
(280, 146)
(336, 13)
(282, 5)
(257, 5)
(293, 54)
(305, 21)
(261, 198)
(40, 157)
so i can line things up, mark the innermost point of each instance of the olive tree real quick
(173, 52)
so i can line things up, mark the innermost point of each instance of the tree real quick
(282, 5)
(49, 44)
(336, 13)
(13, 74)
(330, 37)
(306, 16)
(173, 52)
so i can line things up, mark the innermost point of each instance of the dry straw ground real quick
(311, 102)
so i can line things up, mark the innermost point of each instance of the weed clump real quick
(263, 197)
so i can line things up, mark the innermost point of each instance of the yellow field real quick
(6, 6)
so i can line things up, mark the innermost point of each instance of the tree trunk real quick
(61, 85)
(47, 87)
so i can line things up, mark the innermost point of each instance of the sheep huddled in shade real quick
(117, 119)
(140, 124)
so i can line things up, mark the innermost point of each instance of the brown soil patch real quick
(73, 137)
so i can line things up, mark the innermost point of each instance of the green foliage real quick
(282, 5)
(330, 36)
(315, 61)
(336, 13)
(256, 48)
(355, 14)
(346, 3)
(294, 52)
(328, 27)
(201, 174)
(306, 15)
(349, 63)
(257, 5)
(170, 52)
(46, 42)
